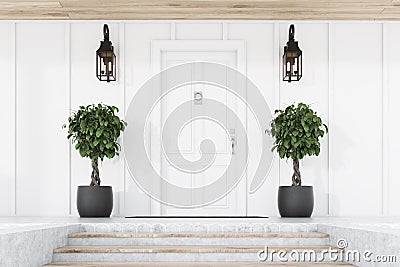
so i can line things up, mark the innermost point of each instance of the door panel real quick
(179, 156)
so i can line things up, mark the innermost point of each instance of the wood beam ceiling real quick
(199, 10)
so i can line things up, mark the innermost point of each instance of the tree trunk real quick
(95, 173)
(296, 177)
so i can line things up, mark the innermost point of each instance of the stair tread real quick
(193, 264)
(199, 235)
(181, 249)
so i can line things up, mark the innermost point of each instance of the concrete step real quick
(293, 238)
(194, 264)
(184, 253)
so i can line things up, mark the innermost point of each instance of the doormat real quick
(196, 217)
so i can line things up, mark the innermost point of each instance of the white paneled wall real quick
(391, 113)
(356, 122)
(7, 118)
(350, 78)
(137, 71)
(41, 108)
(260, 51)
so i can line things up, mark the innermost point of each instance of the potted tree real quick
(94, 129)
(297, 131)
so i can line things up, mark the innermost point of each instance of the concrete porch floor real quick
(377, 224)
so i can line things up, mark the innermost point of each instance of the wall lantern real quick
(106, 68)
(292, 59)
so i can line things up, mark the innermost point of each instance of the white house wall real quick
(350, 77)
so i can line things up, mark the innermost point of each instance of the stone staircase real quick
(188, 249)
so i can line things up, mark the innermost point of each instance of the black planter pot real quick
(296, 201)
(94, 201)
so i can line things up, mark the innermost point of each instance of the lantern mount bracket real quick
(106, 32)
(291, 32)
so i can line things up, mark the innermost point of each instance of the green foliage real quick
(297, 131)
(95, 130)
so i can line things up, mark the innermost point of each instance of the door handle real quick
(232, 138)
(233, 146)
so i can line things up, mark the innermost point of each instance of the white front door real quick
(180, 148)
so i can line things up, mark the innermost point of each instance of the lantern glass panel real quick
(292, 67)
(105, 66)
